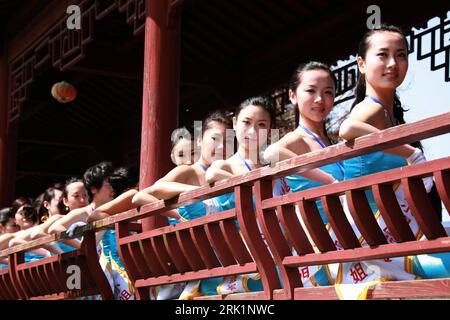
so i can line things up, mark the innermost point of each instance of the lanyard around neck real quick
(386, 112)
(201, 165)
(339, 164)
(245, 162)
(314, 136)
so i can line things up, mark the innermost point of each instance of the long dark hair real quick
(296, 79)
(360, 88)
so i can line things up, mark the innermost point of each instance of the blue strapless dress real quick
(298, 183)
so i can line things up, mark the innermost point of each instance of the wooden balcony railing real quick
(212, 246)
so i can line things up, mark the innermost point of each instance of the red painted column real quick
(160, 96)
(8, 139)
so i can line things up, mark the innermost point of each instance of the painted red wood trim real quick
(189, 250)
(235, 241)
(159, 245)
(392, 213)
(422, 209)
(442, 179)
(89, 249)
(386, 177)
(292, 229)
(315, 226)
(339, 223)
(175, 253)
(151, 259)
(253, 238)
(160, 97)
(273, 234)
(221, 248)
(142, 271)
(205, 250)
(181, 226)
(380, 252)
(364, 219)
(198, 275)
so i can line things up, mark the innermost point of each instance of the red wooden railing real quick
(46, 279)
(212, 246)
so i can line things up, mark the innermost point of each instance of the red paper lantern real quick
(64, 92)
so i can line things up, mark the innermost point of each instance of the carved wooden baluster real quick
(422, 209)
(235, 241)
(273, 234)
(338, 221)
(204, 247)
(189, 250)
(221, 248)
(175, 253)
(442, 179)
(315, 226)
(392, 214)
(364, 218)
(253, 239)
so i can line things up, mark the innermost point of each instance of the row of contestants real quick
(382, 62)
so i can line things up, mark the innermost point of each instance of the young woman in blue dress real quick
(383, 63)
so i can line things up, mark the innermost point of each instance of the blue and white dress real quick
(232, 284)
(354, 278)
(183, 290)
(426, 266)
(315, 275)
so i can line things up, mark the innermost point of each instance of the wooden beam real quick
(107, 73)
(160, 96)
(8, 137)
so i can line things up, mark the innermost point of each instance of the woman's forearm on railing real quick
(276, 153)
(216, 174)
(4, 240)
(352, 129)
(168, 189)
(53, 248)
(41, 252)
(318, 175)
(41, 230)
(75, 243)
(73, 216)
(120, 204)
(16, 241)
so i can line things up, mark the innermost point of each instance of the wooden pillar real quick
(8, 138)
(160, 96)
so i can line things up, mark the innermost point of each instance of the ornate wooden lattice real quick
(61, 47)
